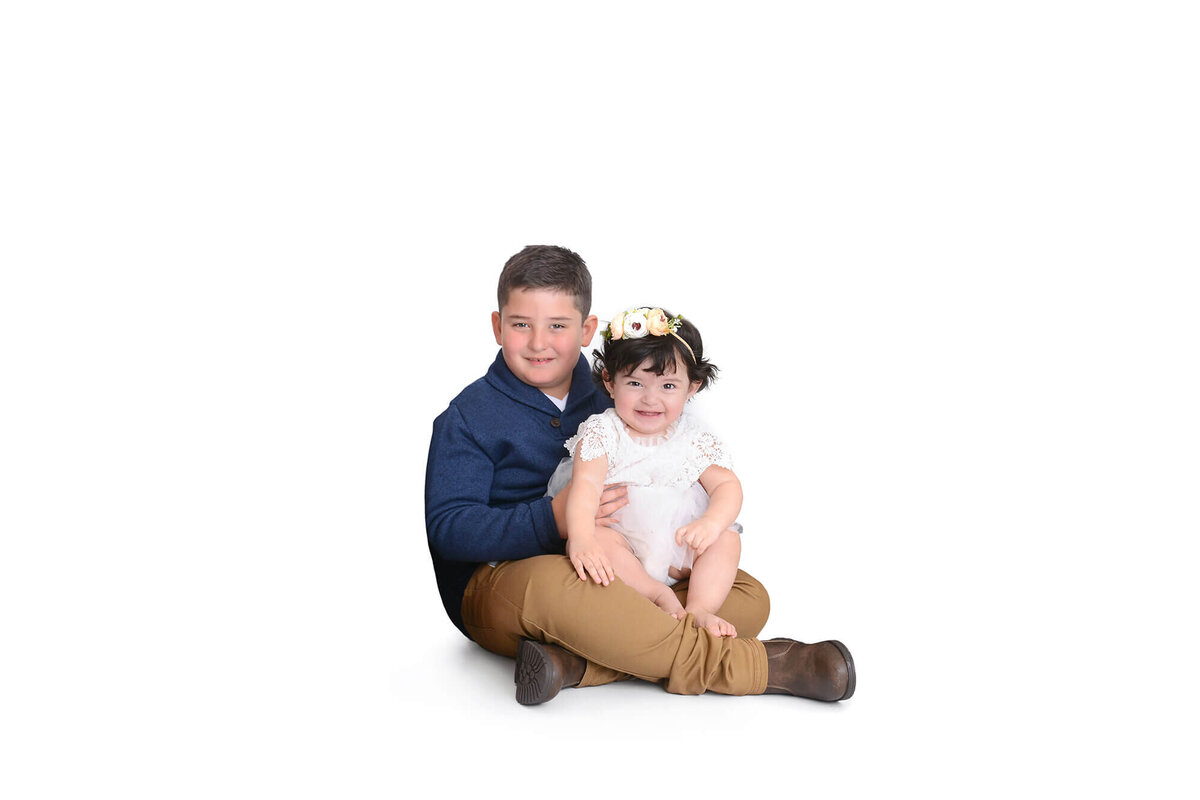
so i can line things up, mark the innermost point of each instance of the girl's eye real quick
(668, 386)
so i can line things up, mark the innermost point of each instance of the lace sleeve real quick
(596, 438)
(707, 451)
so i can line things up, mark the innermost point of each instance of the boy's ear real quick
(589, 330)
(496, 327)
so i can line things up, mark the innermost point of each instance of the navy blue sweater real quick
(492, 452)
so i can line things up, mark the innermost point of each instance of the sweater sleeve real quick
(460, 523)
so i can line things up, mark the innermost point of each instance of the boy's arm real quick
(460, 523)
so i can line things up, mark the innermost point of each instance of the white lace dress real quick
(662, 478)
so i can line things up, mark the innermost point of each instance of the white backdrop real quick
(945, 255)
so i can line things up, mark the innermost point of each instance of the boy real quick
(497, 541)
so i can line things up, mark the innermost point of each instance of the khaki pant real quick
(618, 631)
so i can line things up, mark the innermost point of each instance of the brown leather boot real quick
(822, 671)
(543, 669)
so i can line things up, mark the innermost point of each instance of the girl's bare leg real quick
(631, 571)
(712, 576)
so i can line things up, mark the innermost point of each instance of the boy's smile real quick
(541, 332)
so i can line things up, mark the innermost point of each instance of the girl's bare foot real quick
(712, 623)
(668, 602)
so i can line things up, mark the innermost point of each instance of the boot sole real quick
(851, 679)
(536, 676)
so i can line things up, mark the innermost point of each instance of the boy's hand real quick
(698, 534)
(588, 558)
(614, 497)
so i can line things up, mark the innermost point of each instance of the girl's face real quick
(648, 404)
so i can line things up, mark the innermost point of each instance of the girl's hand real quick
(698, 534)
(588, 558)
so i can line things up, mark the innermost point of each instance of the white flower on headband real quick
(636, 324)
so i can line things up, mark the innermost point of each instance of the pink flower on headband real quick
(616, 328)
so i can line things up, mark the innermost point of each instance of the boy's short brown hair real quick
(546, 266)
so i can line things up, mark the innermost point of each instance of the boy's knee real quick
(751, 587)
(754, 604)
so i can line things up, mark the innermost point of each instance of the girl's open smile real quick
(649, 404)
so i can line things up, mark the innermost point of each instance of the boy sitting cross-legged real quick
(497, 541)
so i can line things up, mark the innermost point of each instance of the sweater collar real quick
(503, 379)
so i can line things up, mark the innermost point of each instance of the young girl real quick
(683, 495)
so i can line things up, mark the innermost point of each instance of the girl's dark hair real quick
(622, 356)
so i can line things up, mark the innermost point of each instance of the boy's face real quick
(541, 332)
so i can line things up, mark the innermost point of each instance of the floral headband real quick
(639, 322)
